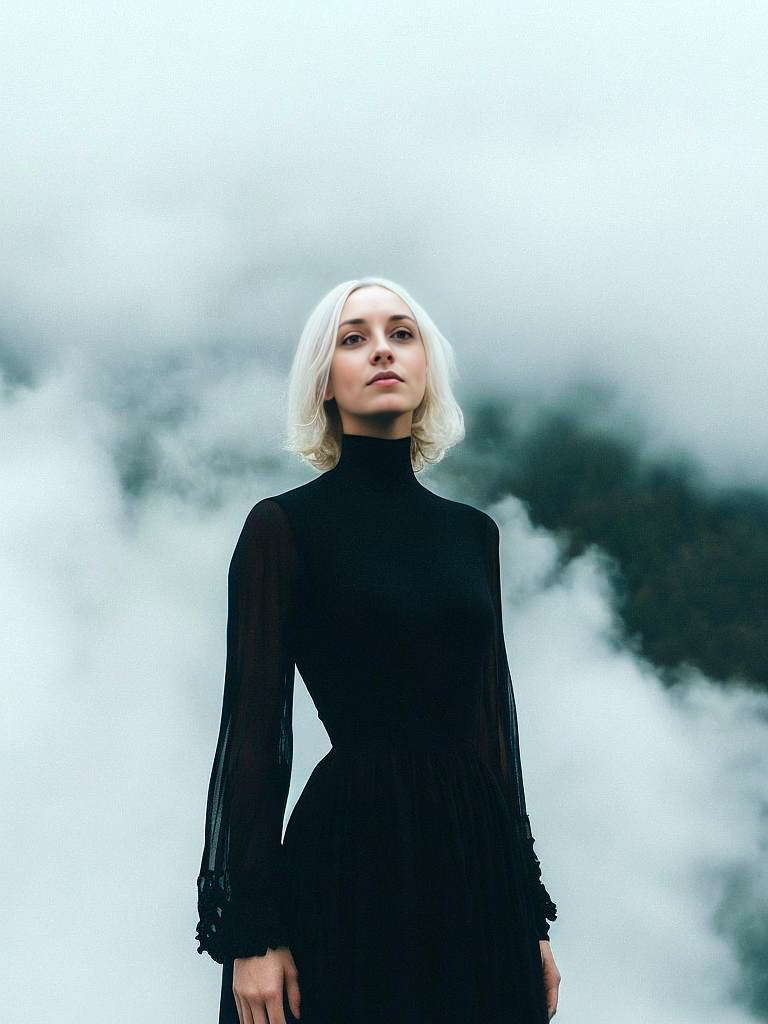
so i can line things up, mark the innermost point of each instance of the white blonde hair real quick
(314, 425)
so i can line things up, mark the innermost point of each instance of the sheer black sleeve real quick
(238, 901)
(501, 747)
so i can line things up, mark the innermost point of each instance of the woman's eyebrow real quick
(395, 316)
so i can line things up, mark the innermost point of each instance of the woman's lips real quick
(386, 380)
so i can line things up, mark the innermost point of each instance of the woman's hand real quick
(257, 983)
(551, 976)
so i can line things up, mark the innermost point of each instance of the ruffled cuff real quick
(544, 908)
(237, 923)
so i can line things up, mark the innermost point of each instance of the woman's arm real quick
(500, 742)
(239, 885)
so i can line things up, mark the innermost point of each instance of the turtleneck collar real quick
(379, 461)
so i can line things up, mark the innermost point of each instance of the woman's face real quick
(386, 339)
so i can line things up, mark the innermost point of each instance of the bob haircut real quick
(314, 424)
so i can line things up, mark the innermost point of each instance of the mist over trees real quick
(692, 561)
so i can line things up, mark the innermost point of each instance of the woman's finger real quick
(275, 1010)
(293, 993)
(256, 1014)
(552, 1002)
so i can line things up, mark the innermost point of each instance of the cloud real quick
(571, 191)
(646, 803)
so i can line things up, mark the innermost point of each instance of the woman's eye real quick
(400, 330)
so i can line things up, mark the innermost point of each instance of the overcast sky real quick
(574, 192)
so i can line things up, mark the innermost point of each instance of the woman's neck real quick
(383, 462)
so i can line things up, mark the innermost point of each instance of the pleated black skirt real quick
(406, 894)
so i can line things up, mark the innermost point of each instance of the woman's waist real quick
(409, 738)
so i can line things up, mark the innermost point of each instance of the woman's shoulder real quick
(276, 507)
(276, 518)
(464, 513)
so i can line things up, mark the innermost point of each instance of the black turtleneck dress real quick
(406, 884)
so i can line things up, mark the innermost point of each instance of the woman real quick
(406, 888)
